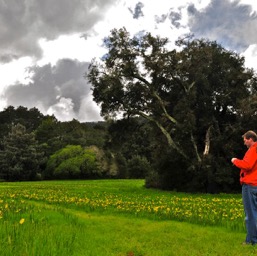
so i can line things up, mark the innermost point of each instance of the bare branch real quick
(166, 133)
(195, 148)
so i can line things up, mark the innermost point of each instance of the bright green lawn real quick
(118, 217)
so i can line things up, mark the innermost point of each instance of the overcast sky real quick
(47, 45)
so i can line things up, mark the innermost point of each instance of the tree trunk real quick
(207, 142)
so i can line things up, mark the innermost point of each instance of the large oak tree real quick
(193, 95)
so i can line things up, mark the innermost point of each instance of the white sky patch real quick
(63, 110)
(69, 46)
(251, 56)
(15, 71)
(252, 3)
(12, 73)
(3, 103)
(120, 16)
(76, 47)
(201, 4)
(89, 111)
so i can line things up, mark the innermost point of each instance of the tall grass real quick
(116, 217)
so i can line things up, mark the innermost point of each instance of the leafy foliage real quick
(74, 162)
(21, 156)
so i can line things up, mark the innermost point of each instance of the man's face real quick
(248, 142)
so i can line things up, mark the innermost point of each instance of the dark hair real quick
(250, 135)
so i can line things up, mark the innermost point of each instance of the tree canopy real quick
(193, 95)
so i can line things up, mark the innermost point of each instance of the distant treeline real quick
(34, 146)
(29, 141)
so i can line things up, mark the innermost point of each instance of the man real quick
(248, 180)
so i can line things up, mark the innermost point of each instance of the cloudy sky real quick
(47, 45)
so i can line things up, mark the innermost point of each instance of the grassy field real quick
(117, 217)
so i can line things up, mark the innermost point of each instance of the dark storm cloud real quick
(23, 22)
(59, 89)
(229, 23)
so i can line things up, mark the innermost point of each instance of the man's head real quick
(250, 138)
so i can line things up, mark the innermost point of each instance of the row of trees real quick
(35, 147)
(30, 143)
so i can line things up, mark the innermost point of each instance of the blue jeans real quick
(249, 195)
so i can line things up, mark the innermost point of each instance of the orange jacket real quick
(248, 166)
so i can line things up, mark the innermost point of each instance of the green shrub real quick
(69, 168)
(138, 167)
(74, 162)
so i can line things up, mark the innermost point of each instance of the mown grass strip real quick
(56, 231)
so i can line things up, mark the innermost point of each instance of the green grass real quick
(116, 217)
